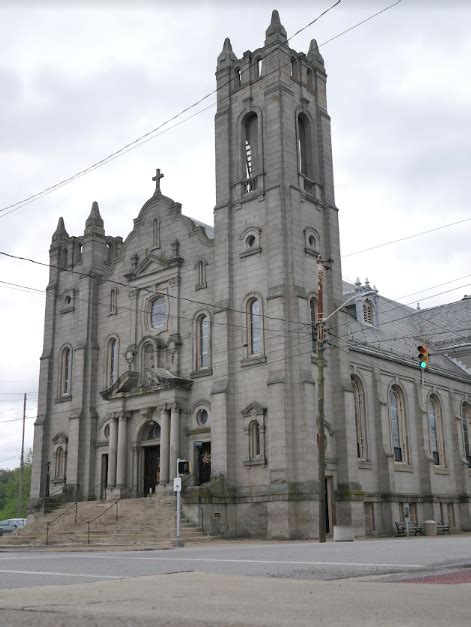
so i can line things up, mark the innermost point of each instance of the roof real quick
(209, 229)
(401, 329)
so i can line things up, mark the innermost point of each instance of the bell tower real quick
(275, 217)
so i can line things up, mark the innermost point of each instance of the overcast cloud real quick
(79, 82)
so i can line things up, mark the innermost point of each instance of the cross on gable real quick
(157, 178)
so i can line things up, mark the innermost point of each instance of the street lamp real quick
(320, 346)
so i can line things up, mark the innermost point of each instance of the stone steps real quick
(142, 521)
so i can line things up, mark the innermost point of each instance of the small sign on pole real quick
(177, 488)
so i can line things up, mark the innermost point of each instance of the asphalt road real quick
(371, 583)
(308, 561)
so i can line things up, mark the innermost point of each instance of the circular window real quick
(158, 313)
(202, 417)
(67, 300)
(250, 241)
(312, 241)
(107, 431)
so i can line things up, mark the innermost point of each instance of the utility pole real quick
(321, 438)
(320, 401)
(22, 462)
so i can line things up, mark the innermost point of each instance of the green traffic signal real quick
(423, 356)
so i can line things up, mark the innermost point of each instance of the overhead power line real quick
(155, 131)
(136, 142)
(149, 291)
(406, 237)
(2, 461)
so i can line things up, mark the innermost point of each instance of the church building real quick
(196, 342)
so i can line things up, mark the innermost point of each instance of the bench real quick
(414, 528)
(443, 528)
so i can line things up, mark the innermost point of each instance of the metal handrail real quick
(99, 515)
(187, 478)
(51, 522)
(104, 512)
(85, 496)
(50, 496)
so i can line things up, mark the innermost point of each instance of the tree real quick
(9, 489)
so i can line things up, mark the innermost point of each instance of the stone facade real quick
(193, 342)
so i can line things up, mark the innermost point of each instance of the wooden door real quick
(151, 468)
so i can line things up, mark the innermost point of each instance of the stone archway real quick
(148, 458)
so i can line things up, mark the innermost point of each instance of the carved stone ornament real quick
(163, 379)
(129, 356)
(126, 383)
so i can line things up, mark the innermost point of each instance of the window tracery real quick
(360, 419)
(305, 146)
(465, 428)
(399, 439)
(66, 371)
(202, 342)
(158, 313)
(435, 422)
(254, 327)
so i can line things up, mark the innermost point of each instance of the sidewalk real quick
(200, 599)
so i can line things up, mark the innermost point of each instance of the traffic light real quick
(184, 467)
(423, 356)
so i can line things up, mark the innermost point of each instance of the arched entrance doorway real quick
(150, 457)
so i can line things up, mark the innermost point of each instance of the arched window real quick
(66, 372)
(60, 462)
(153, 432)
(368, 312)
(113, 302)
(78, 252)
(237, 77)
(466, 425)
(258, 67)
(435, 426)
(294, 68)
(254, 327)
(156, 233)
(305, 146)
(201, 274)
(113, 361)
(313, 320)
(360, 419)
(63, 259)
(254, 440)
(110, 248)
(158, 313)
(310, 81)
(149, 357)
(251, 145)
(202, 342)
(398, 426)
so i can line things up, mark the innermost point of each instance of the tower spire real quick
(94, 223)
(60, 233)
(276, 32)
(314, 56)
(227, 55)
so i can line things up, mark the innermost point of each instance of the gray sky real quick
(77, 83)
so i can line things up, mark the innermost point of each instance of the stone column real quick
(134, 461)
(174, 440)
(112, 452)
(164, 444)
(122, 451)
